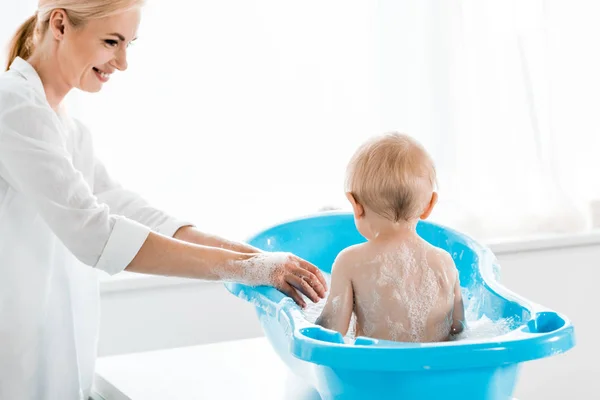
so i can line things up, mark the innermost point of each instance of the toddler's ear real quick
(357, 208)
(429, 208)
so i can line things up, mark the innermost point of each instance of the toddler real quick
(399, 286)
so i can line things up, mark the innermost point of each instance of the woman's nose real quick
(120, 61)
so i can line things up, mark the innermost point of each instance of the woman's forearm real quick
(193, 235)
(161, 255)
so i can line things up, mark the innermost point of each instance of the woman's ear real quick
(429, 208)
(357, 208)
(57, 23)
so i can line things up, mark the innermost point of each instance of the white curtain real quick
(504, 94)
(241, 113)
(522, 112)
(238, 114)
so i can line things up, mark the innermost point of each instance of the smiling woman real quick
(63, 217)
(88, 58)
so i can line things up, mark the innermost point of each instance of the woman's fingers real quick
(293, 293)
(295, 276)
(312, 280)
(303, 286)
(315, 271)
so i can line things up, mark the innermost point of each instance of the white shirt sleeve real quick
(34, 160)
(131, 205)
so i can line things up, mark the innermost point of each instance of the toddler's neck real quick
(402, 230)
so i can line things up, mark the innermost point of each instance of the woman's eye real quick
(111, 43)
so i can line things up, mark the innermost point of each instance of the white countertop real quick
(242, 370)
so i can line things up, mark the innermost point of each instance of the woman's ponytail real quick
(22, 43)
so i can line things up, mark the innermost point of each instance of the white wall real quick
(173, 316)
(191, 313)
(565, 280)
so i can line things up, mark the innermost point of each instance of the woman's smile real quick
(102, 76)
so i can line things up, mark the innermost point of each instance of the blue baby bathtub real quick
(374, 369)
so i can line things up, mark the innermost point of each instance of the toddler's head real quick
(393, 176)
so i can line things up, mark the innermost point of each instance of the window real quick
(240, 113)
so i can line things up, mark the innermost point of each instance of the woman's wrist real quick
(161, 255)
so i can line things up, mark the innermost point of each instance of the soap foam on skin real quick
(412, 283)
(476, 328)
(260, 269)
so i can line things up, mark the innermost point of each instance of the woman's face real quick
(90, 53)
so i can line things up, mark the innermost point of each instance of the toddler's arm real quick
(458, 316)
(338, 309)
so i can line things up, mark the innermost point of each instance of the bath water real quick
(478, 327)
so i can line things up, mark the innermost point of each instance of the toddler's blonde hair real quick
(393, 175)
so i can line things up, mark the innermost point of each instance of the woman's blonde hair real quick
(78, 12)
(392, 175)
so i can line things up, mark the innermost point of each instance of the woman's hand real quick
(292, 275)
(286, 272)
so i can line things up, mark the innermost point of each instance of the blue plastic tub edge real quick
(545, 333)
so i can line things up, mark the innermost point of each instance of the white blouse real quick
(62, 218)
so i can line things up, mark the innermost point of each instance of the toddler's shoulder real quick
(350, 256)
(441, 258)
(445, 256)
(437, 252)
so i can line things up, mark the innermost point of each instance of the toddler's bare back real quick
(403, 291)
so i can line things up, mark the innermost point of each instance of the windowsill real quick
(130, 281)
(126, 281)
(549, 242)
